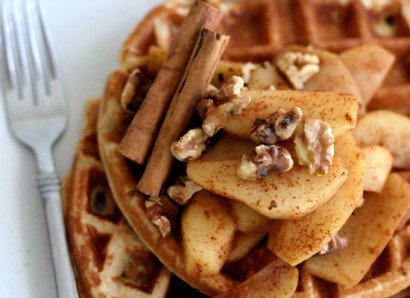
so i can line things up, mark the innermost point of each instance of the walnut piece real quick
(257, 163)
(232, 87)
(135, 90)
(336, 243)
(247, 70)
(315, 146)
(286, 122)
(217, 117)
(190, 146)
(264, 132)
(182, 192)
(278, 126)
(298, 67)
(263, 77)
(162, 212)
(164, 226)
(227, 102)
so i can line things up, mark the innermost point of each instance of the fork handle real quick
(48, 184)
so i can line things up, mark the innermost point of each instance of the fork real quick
(37, 114)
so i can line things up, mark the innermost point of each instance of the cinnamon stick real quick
(192, 88)
(140, 135)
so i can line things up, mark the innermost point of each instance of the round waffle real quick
(108, 257)
(112, 124)
(110, 260)
(259, 30)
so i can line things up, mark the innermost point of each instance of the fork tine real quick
(8, 48)
(38, 50)
(32, 25)
(31, 69)
(40, 41)
(42, 53)
(3, 79)
(24, 64)
(48, 49)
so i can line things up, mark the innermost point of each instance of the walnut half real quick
(225, 102)
(257, 163)
(298, 67)
(315, 146)
(278, 126)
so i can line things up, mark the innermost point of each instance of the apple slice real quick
(208, 231)
(279, 195)
(367, 233)
(339, 110)
(266, 76)
(388, 129)
(379, 162)
(333, 75)
(297, 240)
(243, 244)
(277, 279)
(248, 220)
(369, 65)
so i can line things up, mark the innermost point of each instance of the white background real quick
(87, 36)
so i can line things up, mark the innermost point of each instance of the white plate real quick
(87, 36)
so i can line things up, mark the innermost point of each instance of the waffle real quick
(259, 30)
(109, 258)
(90, 262)
(113, 122)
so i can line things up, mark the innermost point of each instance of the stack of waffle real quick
(118, 251)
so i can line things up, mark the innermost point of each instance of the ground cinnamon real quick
(141, 134)
(192, 88)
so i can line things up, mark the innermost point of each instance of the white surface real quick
(87, 36)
